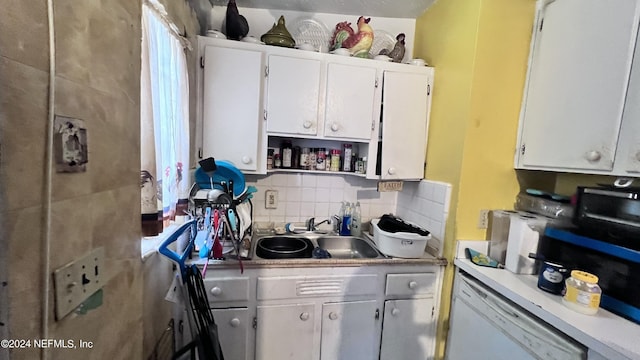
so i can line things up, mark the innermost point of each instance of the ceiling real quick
(411, 9)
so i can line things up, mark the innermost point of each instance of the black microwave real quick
(610, 214)
(617, 267)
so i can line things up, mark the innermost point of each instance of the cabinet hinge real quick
(202, 62)
(541, 23)
(523, 148)
(255, 322)
(428, 89)
(376, 82)
(377, 314)
(265, 115)
(266, 71)
(200, 153)
(433, 311)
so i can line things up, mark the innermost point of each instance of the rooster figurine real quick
(358, 43)
(397, 53)
(236, 24)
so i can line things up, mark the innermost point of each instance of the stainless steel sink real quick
(347, 247)
(269, 246)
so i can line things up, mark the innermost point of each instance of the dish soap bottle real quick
(356, 221)
(345, 227)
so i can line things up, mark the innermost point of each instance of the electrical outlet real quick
(271, 199)
(483, 219)
(78, 280)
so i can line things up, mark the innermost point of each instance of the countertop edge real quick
(281, 263)
(610, 335)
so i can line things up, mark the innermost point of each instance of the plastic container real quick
(356, 220)
(335, 160)
(399, 244)
(582, 292)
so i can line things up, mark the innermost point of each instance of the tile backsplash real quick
(426, 203)
(301, 196)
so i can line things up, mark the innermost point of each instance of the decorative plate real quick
(381, 40)
(314, 32)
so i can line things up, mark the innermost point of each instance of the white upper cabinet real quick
(350, 101)
(572, 111)
(232, 106)
(405, 118)
(293, 89)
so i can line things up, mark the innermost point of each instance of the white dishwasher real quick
(485, 325)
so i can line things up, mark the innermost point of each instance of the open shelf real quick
(316, 172)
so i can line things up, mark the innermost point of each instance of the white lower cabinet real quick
(233, 332)
(349, 331)
(407, 330)
(285, 332)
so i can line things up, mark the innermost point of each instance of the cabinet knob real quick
(395, 312)
(304, 316)
(333, 315)
(307, 124)
(246, 160)
(412, 284)
(235, 322)
(391, 171)
(216, 291)
(335, 127)
(593, 155)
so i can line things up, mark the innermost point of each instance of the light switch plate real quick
(78, 280)
(271, 199)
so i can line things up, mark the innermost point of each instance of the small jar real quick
(335, 160)
(582, 292)
(304, 158)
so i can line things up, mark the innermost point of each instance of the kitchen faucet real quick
(312, 226)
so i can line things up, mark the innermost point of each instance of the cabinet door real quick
(285, 332)
(232, 107)
(579, 69)
(404, 125)
(407, 329)
(292, 95)
(349, 331)
(628, 151)
(351, 100)
(233, 332)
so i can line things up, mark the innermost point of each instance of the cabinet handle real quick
(395, 311)
(307, 124)
(304, 316)
(216, 291)
(235, 322)
(391, 171)
(412, 284)
(593, 155)
(333, 315)
(246, 160)
(335, 127)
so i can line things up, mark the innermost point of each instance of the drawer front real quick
(227, 289)
(288, 287)
(410, 284)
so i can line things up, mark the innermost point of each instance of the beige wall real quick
(97, 80)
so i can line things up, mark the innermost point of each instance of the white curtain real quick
(164, 120)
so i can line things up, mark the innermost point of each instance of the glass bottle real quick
(287, 154)
(356, 220)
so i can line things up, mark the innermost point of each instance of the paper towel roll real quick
(498, 233)
(524, 233)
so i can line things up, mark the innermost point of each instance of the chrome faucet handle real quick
(310, 224)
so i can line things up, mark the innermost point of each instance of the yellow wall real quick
(479, 50)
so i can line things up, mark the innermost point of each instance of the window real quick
(164, 117)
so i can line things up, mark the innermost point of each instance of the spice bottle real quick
(295, 157)
(304, 158)
(277, 162)
(320, 159)
(287, 154)
(312, 159)
(335, 160)
(346, 163)
(269, 159)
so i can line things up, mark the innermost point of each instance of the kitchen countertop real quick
(610, 335)
(427, 259)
